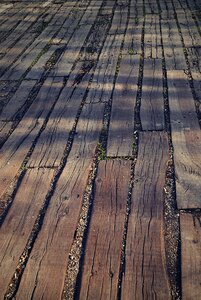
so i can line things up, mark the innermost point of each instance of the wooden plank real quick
(4, 7)
(19, 99)
(191, 40)
(45, 273)
(173, 48)
(145, 275)
(63, 37)
(17, 146)
(186, 138)
(24, 61)
(152, 38)
(152, 103)
(190, 226)
(69, 56)
(6, 89)
(18, 224)
(102, 258)
(104, 76)
(5, 127)
(50, 145)
(52, 142)
(120, 138)
(21, 29)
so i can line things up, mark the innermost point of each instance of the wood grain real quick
(19, 99)
(186, 138)
(145, 274)
(19, 222)
(173, 48)
(190, 256)
(46, 268)
(120, 136)
(152, 103)
(100, 271)
(152, 38)
(17, 146)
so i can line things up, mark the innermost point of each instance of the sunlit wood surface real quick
(100, 149)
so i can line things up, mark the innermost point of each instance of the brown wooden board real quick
(51, 144)
(152, 103)
(190, 226)
(145, 275)
(19, 222)
(17, 146)
(186, 138)
(102, 258)
(45, 271)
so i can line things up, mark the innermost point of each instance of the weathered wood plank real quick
(5, 127)
(18, 224)
(152, 38)
(145, 274)
(45, 273)
(64, 114)
(120, 138)
(102, 259)
(21, 29)
(103, 80)
(19, 99)
(4, 7)
(152, 103)
(34, 49)
(191, 39)
(51, 144)
(17, 146)
(190, 256)
(173, 49)
(69, 56)
(186, 137)
(63, 37)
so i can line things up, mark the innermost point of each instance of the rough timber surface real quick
(102, 256)
(100, 149)
(147, 276)
(190, 255)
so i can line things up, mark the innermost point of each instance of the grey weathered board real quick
(51, 144)
(152, 38)
(145, 275)
(190, 226)
(152, 102)
(120, 137)
(102, 256)
(19, 99)
(173, 49)
(186, 138)
(68, 57)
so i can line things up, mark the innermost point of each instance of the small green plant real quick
(131, 51)
(101, 152)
